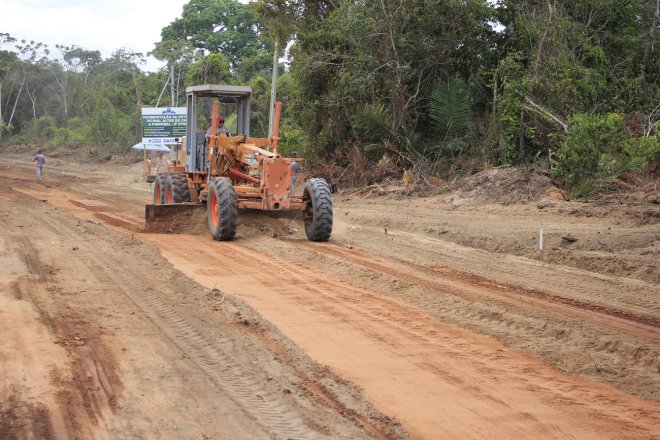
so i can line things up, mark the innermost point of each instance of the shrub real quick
(646, 149)
(587, 140)
(600, 149)
(45, 127)
(291, 139)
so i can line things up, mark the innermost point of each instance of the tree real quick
(9, 66)
(386, 52)
(218, 26)
(559, 59)
(82, 60)
(118, 98)
(179, 55)
(210, 69)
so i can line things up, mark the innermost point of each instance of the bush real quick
(599, 149)
(292, 139)
(647, 149)
(65, 135)
(45, 127)
(588, 139)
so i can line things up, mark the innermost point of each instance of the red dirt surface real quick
(435, 317)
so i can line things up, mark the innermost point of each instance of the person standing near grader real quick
(39, 160)
(295, 169)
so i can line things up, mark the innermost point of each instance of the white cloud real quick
(103, 25)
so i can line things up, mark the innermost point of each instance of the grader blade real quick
(180, 217)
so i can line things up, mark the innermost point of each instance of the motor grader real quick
(228, 173)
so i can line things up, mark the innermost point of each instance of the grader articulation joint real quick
(228, 173)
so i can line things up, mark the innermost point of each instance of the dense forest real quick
(425, 89)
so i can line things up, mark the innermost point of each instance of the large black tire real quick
(318, 210)
(177, 189)
(160, 189)
(222, 209)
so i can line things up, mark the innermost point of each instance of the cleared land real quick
(426, 318)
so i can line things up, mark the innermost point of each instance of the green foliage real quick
(260, 102)
(209, 69)
(231, 122)
(449, 107)
(575, 81)
(582, 189)
(375, 123)
(111, 129)
(646, 149)
(6, 129)
(46, 127)
(7, 59)
(258, 124)
(218, 26)
(292, 140)
(386, 55)
(61, 136)
(569, 58)
(599, 149)
(255, 65)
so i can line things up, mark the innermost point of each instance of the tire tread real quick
(223, 190)
(160, 184)
(319, 227)
(179, 185)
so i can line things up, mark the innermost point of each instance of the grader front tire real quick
(160, 189)
(177, 189)
(222, 209)
(318, 210)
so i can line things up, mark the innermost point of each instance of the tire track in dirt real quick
(573, 345)
(78, 385)
(463, 284)
(273, 417)
(359, 413)
(93, 372)
(615, 293)
(362, 334)
(343, 316)
(607, 244)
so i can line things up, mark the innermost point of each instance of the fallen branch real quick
(532, 106)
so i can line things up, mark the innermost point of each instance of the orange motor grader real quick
(228, 173)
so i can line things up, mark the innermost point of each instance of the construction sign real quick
(163, 126)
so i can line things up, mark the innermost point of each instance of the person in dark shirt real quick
(39, 160)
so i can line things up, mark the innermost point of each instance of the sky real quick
(103, 25)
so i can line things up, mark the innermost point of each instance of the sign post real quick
(163, 126)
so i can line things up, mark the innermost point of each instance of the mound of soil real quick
(506, 186)
(76, 151)
(22, 149)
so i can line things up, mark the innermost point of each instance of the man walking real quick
(295, 169)
(39, 160)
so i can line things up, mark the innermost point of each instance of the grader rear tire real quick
(318, 210)
(177, 189)
(222, 209)
(160, 189)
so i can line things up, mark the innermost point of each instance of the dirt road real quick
(421, 318)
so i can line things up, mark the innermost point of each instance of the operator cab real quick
(199, 98)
